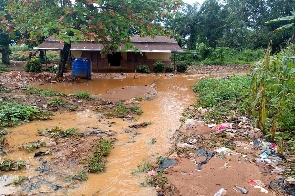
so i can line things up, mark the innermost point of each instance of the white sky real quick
(193, 1)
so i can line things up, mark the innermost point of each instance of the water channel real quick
(174, 93)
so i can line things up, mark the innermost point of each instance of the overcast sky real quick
(194, 1)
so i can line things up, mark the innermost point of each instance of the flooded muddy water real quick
(170, 95)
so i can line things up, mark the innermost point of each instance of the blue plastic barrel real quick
(81, 68)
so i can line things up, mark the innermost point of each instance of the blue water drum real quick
(81, 68)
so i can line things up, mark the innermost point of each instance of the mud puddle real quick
(165, 97)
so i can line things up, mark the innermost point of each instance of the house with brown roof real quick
(159, 48)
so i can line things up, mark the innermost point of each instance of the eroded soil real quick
(163, 99)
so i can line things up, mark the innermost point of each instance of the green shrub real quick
(181, 67)
(12, 114)
(222, 96)
(33, 65)
(158, 67)
(142, 69)
(168, 69)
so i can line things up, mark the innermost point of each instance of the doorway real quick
(114, 59)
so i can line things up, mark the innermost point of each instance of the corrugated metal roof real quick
(145, 44)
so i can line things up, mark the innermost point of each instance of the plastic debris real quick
(223, 150)
(221, 192)
(241, 189)
(221, 127)
(263, 155)
(208, 155)
(258, 184)
(211, 125)
(279, 186)
(165, 163)
(151, 173)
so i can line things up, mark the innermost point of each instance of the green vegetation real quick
(157, 180)
(272, 96)
(19, 180)
(19, 57)
(55, 102)
(59, 132)
(22, 47)
(224, 96)
(143, 69)
(266, 95)
(144, 166)
(33, 65)
(52, 57)
(96, 161)
(82, 95)
(45, 93)
(218, 56)
(3, 132)
(158, 67)
(33, 146)
(122, 110)
(181, 66)
(3, 69)
(12, 114)
(24, 15)
(81, 176)
(168, 69)
(9, 165)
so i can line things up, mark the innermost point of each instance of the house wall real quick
(128, 63)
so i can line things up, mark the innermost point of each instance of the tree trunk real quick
(5, 54)
(64, 55)
(42, 56)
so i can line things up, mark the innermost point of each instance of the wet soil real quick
(162, 98)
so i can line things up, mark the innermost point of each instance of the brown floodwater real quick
(171, 94)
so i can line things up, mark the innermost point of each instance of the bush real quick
(33, 65)
(159, 67)
(142, 69)
(181, 67)
(168, 69)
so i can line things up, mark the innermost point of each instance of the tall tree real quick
(110, 22)
(5, 39)
(184, 25)
(211, 23)
(245, 23)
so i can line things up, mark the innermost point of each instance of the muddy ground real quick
(229, 156)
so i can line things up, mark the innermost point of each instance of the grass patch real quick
(9, 165)
(33, 146)
(55, 102)
(3, 69)
(144, 166)
(19, 180)
(80, 176)
(96, 161)
(82, 95)
(59, 132)
(12, 114)
(121, 110)
(223, 96)
(45, 93)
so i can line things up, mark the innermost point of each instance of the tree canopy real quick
(110, 22)
(233, 23)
